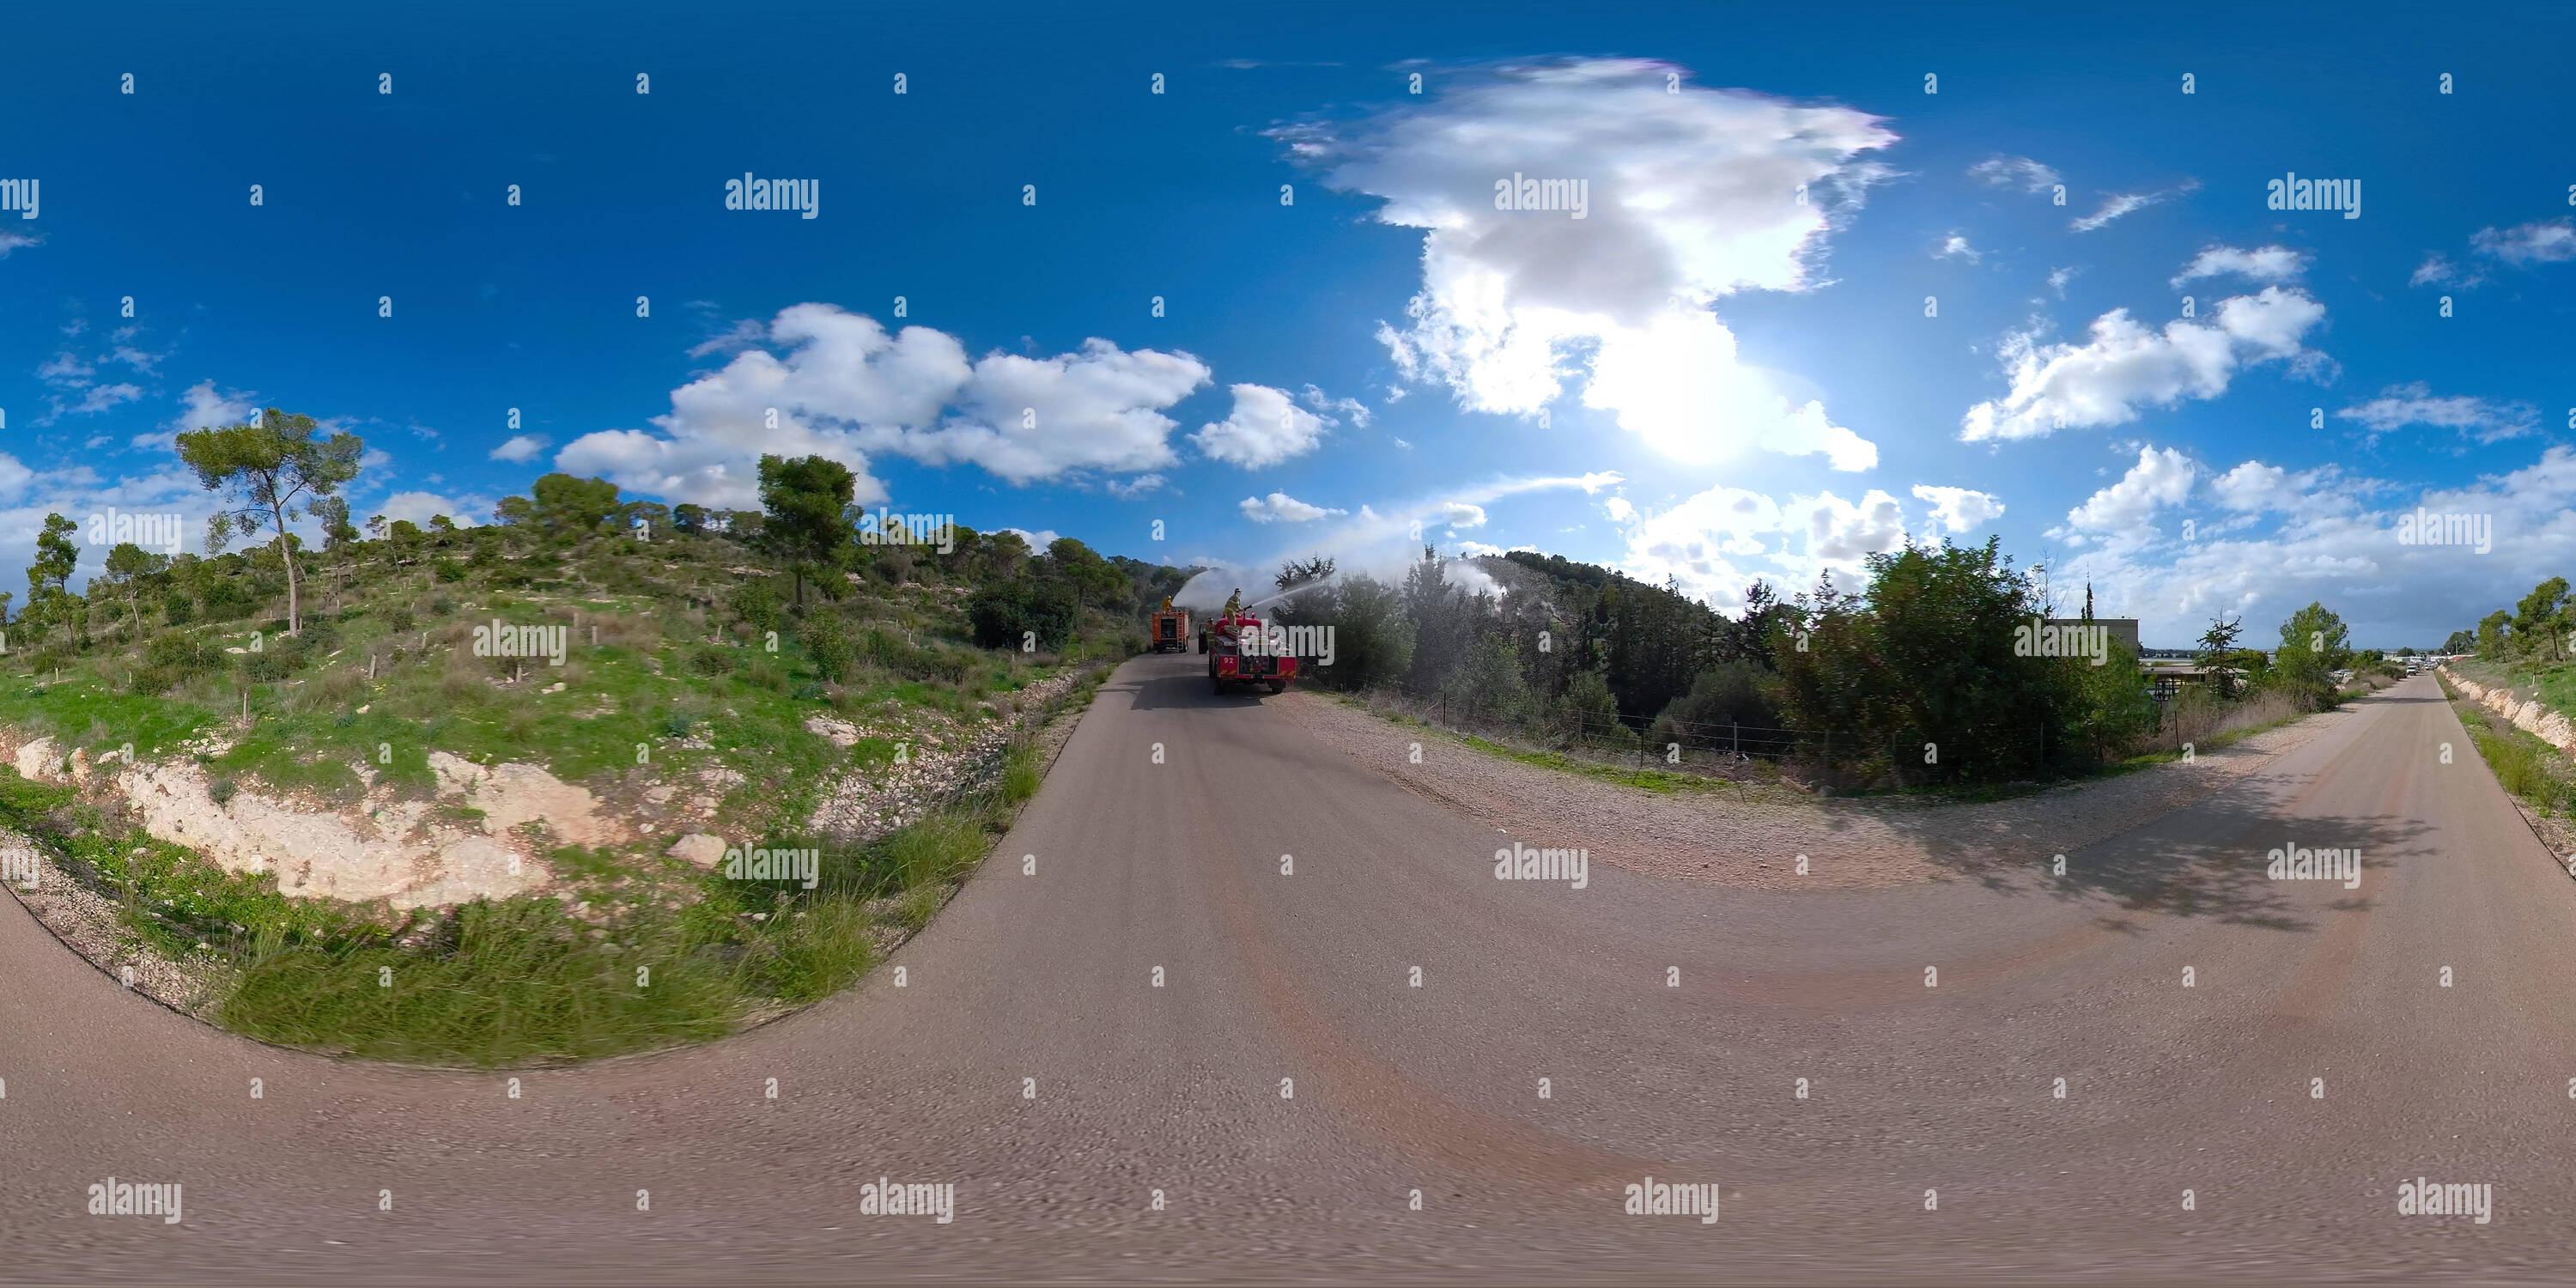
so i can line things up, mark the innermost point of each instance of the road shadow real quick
(2226, 875)
(1160, 685)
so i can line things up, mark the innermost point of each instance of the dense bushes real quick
(1012, 615)
(1925, 679)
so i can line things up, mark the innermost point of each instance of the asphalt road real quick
(1307, 976)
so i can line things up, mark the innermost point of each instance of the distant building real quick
(2123, 629)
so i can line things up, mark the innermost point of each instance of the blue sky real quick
(1710, 376)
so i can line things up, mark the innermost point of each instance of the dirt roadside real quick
(1752, 836)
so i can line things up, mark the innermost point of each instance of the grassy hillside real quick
(688, 698)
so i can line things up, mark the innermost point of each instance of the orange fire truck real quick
(1241, 650)
(1170, 629)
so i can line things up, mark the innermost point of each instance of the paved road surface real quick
(1436, 1088)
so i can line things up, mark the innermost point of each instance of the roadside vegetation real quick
(2540, 775)
(701, 651)
(2530, 648)
(1924, 680)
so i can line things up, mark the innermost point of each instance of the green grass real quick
(2523, 764)
(1023, 769)
(502, 983)
(81, 711)
(523, 980)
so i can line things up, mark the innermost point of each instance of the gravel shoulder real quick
(1751, 836)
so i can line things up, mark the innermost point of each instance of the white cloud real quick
(2253, 487)
(1039, 540)
(1959, 509)
(745, 333)
(844, 387)
(1279, 506)
(2059, 277)
(10, 241)
(521, 447)
(101, 397)
(2478, 419)
(1691, 196)
(2119, 204)
(2265, 264)
(1459, 514)
(419, 507)
(2160, 478)
(202, 407)
(1135, 487)
(76, 492)
(1841, 532)
(1266, 427)
(2011, 172)
(2438, 268)
(2335, 541)
(2543, 242)
(1956, 247)
(1327, 406)
(1095, 409)
(2126, 366)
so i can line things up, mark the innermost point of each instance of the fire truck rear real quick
(1241, 650)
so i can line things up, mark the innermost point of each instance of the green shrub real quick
(1021, 772)
(826, 637)
(756, 602)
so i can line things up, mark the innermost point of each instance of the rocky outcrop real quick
(395, 852)
(511, 795)
(2527, 715)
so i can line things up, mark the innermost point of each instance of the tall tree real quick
(802, 503)
(2539, 620)
(49, 578)
(127, 567)
(574, 505)
(271, 469)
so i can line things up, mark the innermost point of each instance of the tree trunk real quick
(293, 622)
